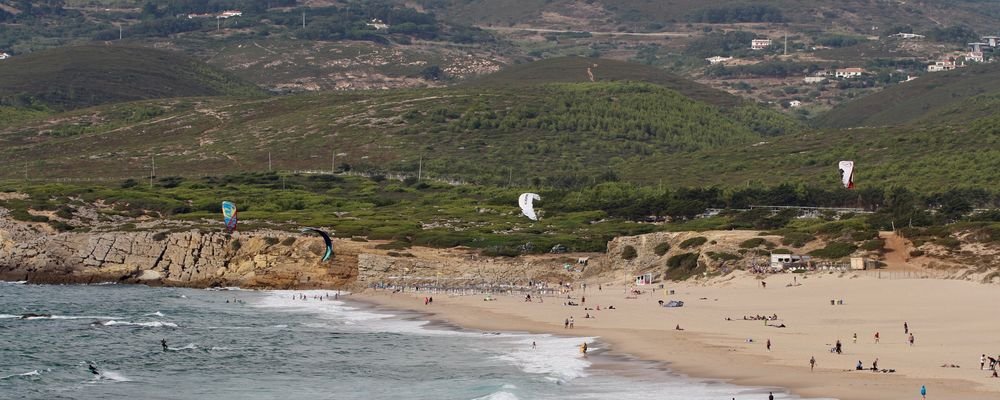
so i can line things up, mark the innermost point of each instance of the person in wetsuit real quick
(163, 342)
(93, 369)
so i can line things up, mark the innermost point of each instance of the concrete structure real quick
(231, 13)
(992, 41)
(814, 79)
(760, 44)
(789, 261)
(939, 66)
(795, 103)
(977, 47)
(849, 72)
(902, 35)
(717, 59)
(4, 56)
(975, 56)
(378, 24)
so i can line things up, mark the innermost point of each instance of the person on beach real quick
(982, 362)
(906, 328)
(570, 322)
(875, 365)
(763, 285)
(770, 395)
(876, 337)
(855, 338)
(812, 363)
(911, 339)
(93, 369)
(583, 348)
(859, 367)
(532, 344)
(839, 347)
(163, 343)
(768, 344)
(923, 391)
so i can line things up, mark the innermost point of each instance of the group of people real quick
(994, 363)
(303, 297)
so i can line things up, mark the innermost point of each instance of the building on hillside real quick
(193, 16)
(717, 59)
(992, 41)
(977, 47)
(4, 56)
(231, 13)
(938, 66)
(902, 35)
(795, 104)
(910, 78)
(975, 56)
(378, 24)
(849, 72)
(814, 79)
(760, 44)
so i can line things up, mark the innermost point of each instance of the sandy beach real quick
(951, 322)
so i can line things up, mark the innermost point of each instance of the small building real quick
(4, 56)
(814, 79)
(789, 261)
(760, 44)
(644, 279)
(975, 56)
(231, 13)
(938, 66)
(378, 24)
(977, 47)
(849, 72)
(193, 16)
(717, 59)
(902, 35)
(992, 41)
(795, 104)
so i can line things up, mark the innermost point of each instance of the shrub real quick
(159, 236)
(629, 253)
(949, 242)
(873, 245)
(722, 256)
(64, 212)
(271, 241)
(393, 245)
(288, 241)
(834, 250)
(693, 242)
(60, 226)
(236, 244)
(916, 253)
(501, 251)
(796, 239)
(662, 248)
(22, 215)
(858, 236)
(358, 239)
(129, 183)
(752, 243)
(683, 266)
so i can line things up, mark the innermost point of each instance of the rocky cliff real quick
(35, 253)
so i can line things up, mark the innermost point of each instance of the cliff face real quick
(255, 259)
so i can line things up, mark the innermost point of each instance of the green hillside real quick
(557, 134)
(574, 70)
(82, 76)
(916, 100)
(652, 15)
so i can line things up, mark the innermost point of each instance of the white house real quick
(902, 35)
(4, 56)
(378, 24)
(993, 41)
(717, 59)
(783, 261)
(849, 72)
(976, 56)
(795, 104)
(814, 79)
(760, 44)
(231, 13)
(939, 66)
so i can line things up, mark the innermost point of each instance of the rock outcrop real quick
(186, 258)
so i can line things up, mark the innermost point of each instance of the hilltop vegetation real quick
(82, 76)
(933, 98)
(561, 135)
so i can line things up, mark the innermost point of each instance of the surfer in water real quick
(163, 342)
(93, 369)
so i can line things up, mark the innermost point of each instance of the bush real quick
(693, 242)
(60, 226)
(662, 248)
(752, 243)
(501, 251)
(358, 239)
(271, 241)
(683, 266)
(64, 212)
(916, 253)
(723, 256)
(796, 239)
(858, 236)
(288, 241)
(629, 253)
(129, 183)
(159, 236)
(393, 245)
(22, 215)
(236, 244)
(873, 245)
(949, 242)
(834, 250)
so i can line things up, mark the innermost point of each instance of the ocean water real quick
(267, 345)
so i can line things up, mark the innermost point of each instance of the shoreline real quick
(702, 353)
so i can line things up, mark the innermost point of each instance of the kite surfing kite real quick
(526, 201)
(229, 215)
(326, 239)
(847, 174)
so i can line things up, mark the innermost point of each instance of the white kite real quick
(525, 201)
(847, 174)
